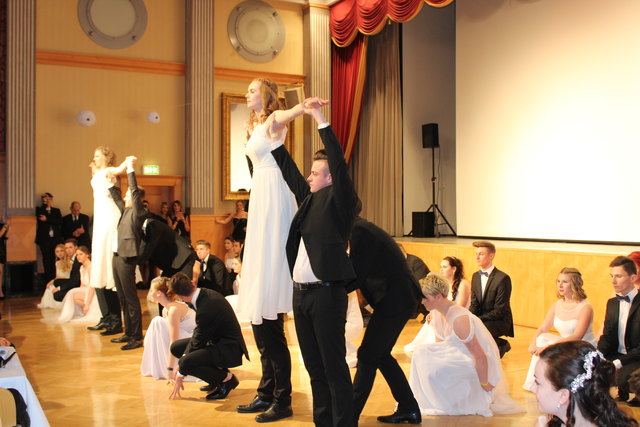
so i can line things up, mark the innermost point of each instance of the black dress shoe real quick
(274, 413)
(133, 343)
(121, 339)
(117, 329)
(256, 405)
(208, 388)
(102, 324)
(402, 417)
(224, 389)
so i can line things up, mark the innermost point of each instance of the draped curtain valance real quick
(369, 16)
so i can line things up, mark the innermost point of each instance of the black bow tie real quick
(623, 298)
(484, 273)
(190, 306)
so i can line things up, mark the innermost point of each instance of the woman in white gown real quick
(105, 223)
(266, 292)
(460, 374)
(177, 321)
(452, 269)
(571, 316)
(80, 304)
(63, 271)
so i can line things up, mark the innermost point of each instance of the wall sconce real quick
(86, 118)
(153, 117)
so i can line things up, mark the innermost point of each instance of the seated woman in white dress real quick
(460, 373)
(452, 269)
(572, 383)
(571, 316)
(177, 321)
(80, 304)
(63, 271)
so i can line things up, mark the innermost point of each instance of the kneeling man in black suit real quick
(216, 344)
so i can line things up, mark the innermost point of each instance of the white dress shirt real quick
(623, 317)
(484, 279)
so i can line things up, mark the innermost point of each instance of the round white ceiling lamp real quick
(256, 31)
(86, 118)
(153, 117)
(114, 24)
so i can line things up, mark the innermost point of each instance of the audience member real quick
(239, 218)
(80, 302)
(571, 316)
(620, 340)
(462, 374)
(48, 234)
(180, 221)
(177, 321)
(572, 382)
(385, 280)
(61, 286)
(230, 253)
(491, 296)
(238, 248)
(4, 227)
(216, 344)
(76, 225)
(451, 268)
(125, 257)
(210, 270)
(164, 212)
(237, 269)
(63, 271)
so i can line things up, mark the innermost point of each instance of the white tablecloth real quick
(13, 376)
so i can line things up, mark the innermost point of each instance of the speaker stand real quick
(434, 206)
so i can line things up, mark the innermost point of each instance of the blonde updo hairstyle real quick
(108, 154)
(160, 284)
(269, 99)
(435, 284)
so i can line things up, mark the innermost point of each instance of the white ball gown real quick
(71, 311)
(443, 377)
(105, 224)
(565, 322)
(267, 287)
(47, 300)
(156, 343)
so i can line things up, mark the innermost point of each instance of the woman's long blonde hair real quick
(65, 261)
(269, 99)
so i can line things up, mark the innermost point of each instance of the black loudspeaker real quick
(430, 137)
(423, 224)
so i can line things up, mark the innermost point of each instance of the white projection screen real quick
(548, 119)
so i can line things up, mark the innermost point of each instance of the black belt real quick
(307, 286)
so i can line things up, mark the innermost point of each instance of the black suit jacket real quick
(494, 307)
(74, 278)
(383, 275)
(325, 218)
(217, 325)
(130, 223)
(53, 222)
(417, 267)
(608, 343)
(163, 247)
(69, 226)
(214, 276)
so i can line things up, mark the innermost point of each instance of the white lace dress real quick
(105, 224)
(157, 343)
(443, 376)
(565, 322)
(73, 312)
(267, 287)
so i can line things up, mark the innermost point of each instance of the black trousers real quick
(375, 353)
(124, 274)
(320, 316)
(206, 364)
(109, 303)
(623, 374)
(47, 249)
(275, 384)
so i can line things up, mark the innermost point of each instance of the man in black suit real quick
(62, 286)
(320, 267)
(48, 234)
(388, 285)
(216, 344)
(164, 248)
(76, 225)
(620, 340)
(420, 271)
(125, 258)
(491, 296)
(210, 270)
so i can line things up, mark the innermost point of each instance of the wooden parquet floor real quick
(82, 379)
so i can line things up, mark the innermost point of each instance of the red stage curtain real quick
(348, 71)
(369, 16)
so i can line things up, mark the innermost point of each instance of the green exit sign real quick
(151, 169)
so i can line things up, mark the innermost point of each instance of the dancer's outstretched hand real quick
(314, 103)
(175, 394)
